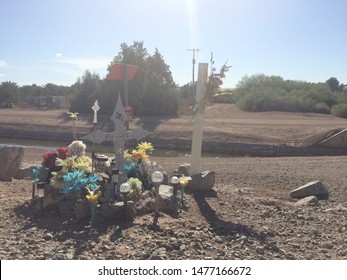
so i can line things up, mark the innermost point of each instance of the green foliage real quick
(186, 91)
(151, 92)
(84, 93)
(333, 84)
(224, 98)
(9, 93)
(340, 110)
(272, 93)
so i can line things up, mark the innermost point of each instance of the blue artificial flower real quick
(77, 180)
(73, 181)
(38, 173)
(91, 182)
(130, 169)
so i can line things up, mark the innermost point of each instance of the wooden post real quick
(198, 121)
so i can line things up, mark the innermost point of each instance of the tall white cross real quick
(95, 109)
(198, 121)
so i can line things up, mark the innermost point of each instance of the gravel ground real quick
(248, 215)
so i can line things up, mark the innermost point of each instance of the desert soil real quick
(248, 215)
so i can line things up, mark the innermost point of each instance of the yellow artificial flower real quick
(140, 154)
(75, 162)
(183, 182)
(127, 157)
(57, 180)
(145, 146)
(93, 196)
(73, 115)
(84, 163)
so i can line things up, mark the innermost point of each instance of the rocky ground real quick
(248, 215)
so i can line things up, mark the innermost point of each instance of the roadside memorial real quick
(128, 183)
(101, 186)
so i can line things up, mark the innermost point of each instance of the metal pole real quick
(126, 206)
(193, 50)
(93, 151)
(126, 92)
(156, 213)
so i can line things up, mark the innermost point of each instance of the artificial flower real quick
(73, 115)
(135, 187)
(50, 157)
(145, 146)
(40, 174)
(62, 152)
(57, 180)
(183, 182)
(127, 157)
(139, 154)
(93, 196)
(130, 168)
(77, 148)
(76, 162)
(75, 181)
(84, 163)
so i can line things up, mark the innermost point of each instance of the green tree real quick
(135, 54)
(333, 84)
(272, 93)
(152, 92)
(31, 91)
(84, 92)
(9, 93)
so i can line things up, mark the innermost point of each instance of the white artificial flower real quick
(77, 148)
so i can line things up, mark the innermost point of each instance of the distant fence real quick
(52, 102)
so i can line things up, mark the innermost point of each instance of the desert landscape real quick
(248, 214)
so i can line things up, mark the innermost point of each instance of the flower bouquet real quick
(137, 164)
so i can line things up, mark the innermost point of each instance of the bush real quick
(339, 110)
(322, 108)
(272, 93)
(224, 98)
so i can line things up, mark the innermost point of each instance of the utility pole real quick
(193, 50)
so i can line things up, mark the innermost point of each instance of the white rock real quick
(315, 188)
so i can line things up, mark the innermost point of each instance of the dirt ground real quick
(248, 214)
(222, 122)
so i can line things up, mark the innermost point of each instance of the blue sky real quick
(56, 41)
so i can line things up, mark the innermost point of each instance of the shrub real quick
(322, 108)
(272, 93)
(339, 110)
(224, 98)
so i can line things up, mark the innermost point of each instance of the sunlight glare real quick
(193, 22)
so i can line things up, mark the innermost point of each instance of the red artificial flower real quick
(49, 158)
(62, 152)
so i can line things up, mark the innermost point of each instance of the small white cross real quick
(95, 108)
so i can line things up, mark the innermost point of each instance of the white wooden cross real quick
(198, 121)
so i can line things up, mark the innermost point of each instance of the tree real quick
(152, 92)
(31, 91)
(333, 84)
(84, 92)
(272, 93)
(135, 54)
(9, 93)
